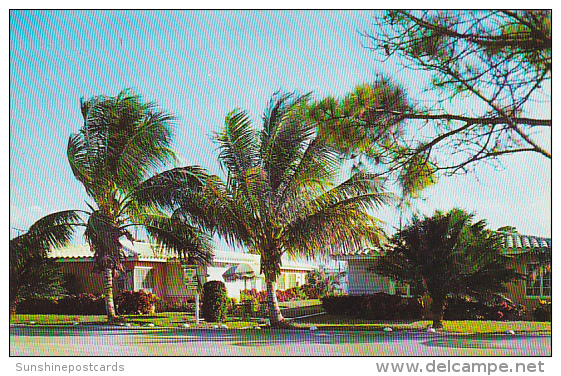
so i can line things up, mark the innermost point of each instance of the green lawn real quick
(294, 309)
(166, 319)
(330, 322)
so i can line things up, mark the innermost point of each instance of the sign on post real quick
(192, 283)
(191, 280)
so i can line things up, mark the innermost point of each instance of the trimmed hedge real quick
(81, 304)
(380, 306)
(215, 301)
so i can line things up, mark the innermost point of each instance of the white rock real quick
(257, 327)
(129, 324)
(150, 324)
(185, 325)
(510, 332)
(431, 330)
(388, 329)
(215, 327)
(313, 328)
(75, 323)
(223, 326)
(32, 322)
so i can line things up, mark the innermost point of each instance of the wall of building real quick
(516, 291)
(363, 281)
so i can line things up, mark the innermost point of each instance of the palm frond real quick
(169, 189)
(51, 231)
(236, 142)
(338, 229)
(311, 176)
(120, 141)
(364, 191)
(285, 135)
(189, 243)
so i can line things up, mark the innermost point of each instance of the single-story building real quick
(529, 255)
(150, 269)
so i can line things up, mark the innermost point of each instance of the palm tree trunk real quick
(108, 290)
(13, 307)
(438, 307)
(275, 315)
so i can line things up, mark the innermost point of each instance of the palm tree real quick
(31, 274)
(445, 255)
(280, 197)
(121, 141)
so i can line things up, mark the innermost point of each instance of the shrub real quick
(184, 305)
(250, 305)
(312, 292)
(81, 304)
(298, 293)
(232, 304)
(380, 306)
(37, 306)
(465, 308)
(260, 296)
(543, 311)
(135, 302)
(215, 301)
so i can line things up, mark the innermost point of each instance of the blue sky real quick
(199, 65)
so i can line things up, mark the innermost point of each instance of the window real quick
(401, 288)
(144, 279)
(538, 280)
(124, 280)
(291, 280)
(280, 282)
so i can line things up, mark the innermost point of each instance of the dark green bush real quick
(215, 301)
(135, 302)
(185, 305)
(81, 304)
(543, 311)
(378, 306)
(37, 306)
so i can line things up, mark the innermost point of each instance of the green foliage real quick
(135, 302)
(320, 283)
(447, 254)
(250, 305)
(80, 304)
(215, 302)
(187, 305)
(380, 306)
(299, 292)
(543, 312)
(499, 59)
(508, 229)
(465, 308)
(31, 274)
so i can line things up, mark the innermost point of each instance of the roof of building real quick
(513, 244)
(141, 251)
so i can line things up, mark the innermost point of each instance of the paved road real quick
(101, 341)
